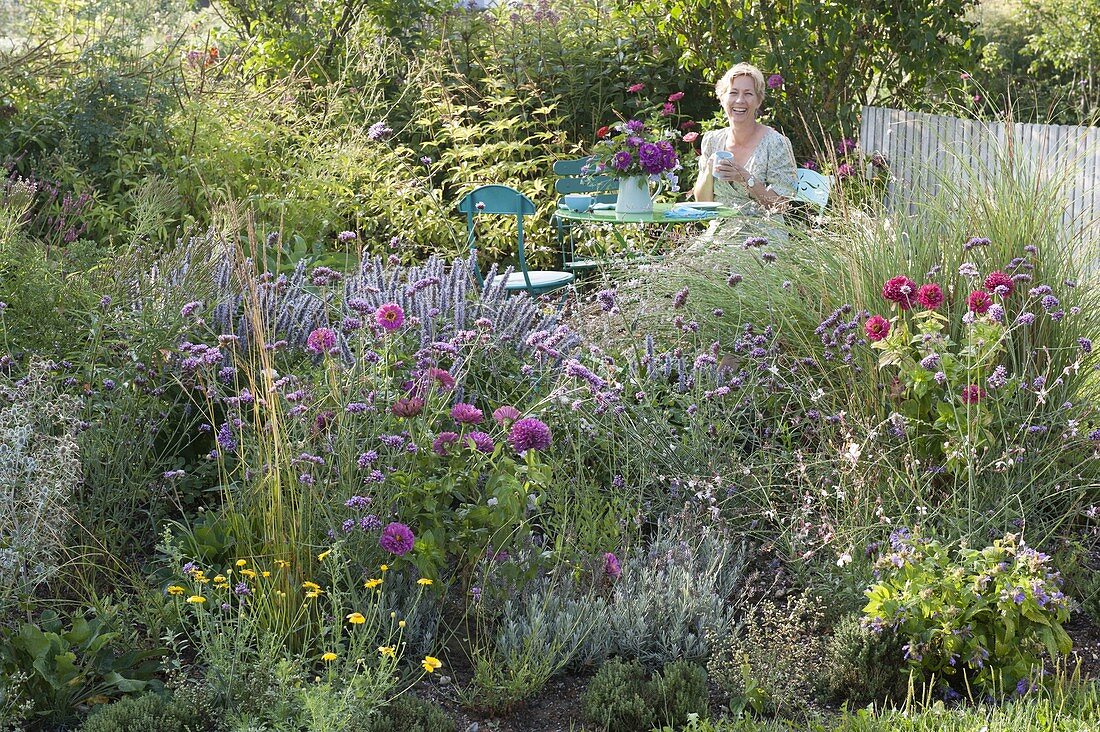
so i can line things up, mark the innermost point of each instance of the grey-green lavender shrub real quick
(39, 472)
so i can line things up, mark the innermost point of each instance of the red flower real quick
(901, 290)
(675, 96)
(691, 137)
(979, 302)
(877, 328)
(930, 296)
(602, 132)
(972, 394)
(999, 279)
(635, 88)
(687, 124)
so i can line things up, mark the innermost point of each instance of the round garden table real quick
(659, 215)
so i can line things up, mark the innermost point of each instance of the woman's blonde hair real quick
(741, 69)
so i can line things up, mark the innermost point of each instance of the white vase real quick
(634, 196)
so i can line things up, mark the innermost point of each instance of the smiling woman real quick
(747, 166)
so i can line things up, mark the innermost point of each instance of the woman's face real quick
(741, 102)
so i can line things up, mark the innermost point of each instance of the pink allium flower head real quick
(529, 434)
(901, 290)
(675, 96)
(775, 81)
(505, 414)
(971, 394)
(480, 442)
(979, 302)
(443, 441)
(691, 137)
(321, 340)
(466, 413)
(635, 88)
(877, 328)
(611, 566)
(844, 170)
(408, 406)
(389, 316)
(997, 279)
(397, 539)
(930, 296)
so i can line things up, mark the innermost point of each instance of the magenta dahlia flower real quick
(930, 296)
(442, 443)
(979, 302)
(466, 413)
(901, 290)
(321, 340)
(529, 434)
(877, 328)
(999, 279)
(480, 442)
(389, 316)
(397, 539)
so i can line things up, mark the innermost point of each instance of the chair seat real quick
(541, 280)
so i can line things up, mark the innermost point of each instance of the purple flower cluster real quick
(397, 539)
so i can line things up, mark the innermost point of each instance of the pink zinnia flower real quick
(972, 394)
(675, 96)
(901, 290)
(877, 328)
(930, 296)
(635, 88)
(480, 442)
(389, 316)
(844, 170)
(397, 539)
(442, 443)
(441, 378)
(979, 302)
(997, 279)
(321, 340)
(466, 413)
(505, 414)
(691, 137)
(667, 109)
(408, 407)
(687, 124)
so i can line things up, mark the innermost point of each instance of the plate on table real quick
(701, 205)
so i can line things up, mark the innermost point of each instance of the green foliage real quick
(983, 618)
(620, 698)
(70, 668)
(862, 666)
(141, 714)
(410, 713)
(772, 659)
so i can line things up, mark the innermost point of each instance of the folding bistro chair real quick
(574, 176)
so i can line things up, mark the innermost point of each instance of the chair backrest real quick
(813, 187)
(499, 200)
(577, 176)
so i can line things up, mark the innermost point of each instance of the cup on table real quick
(578, 202)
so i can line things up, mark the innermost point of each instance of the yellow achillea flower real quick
(356, 619)
(196, 599)
(265, 573)
(322, 555)
(330, 656)
(372, 583)
(175, 590)
(282, 564)
(424, 581)
(385, 568)
(242, 562)
(430, 663)
(310, 586)
(388, 651)
(219, 579)
(313, 594)
(250, 574)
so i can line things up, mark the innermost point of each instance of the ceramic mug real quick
(579, 202)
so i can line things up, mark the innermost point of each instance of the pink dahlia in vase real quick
(637, 148)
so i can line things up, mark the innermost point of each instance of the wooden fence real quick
(920, 148)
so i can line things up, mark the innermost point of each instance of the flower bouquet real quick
(637, 153)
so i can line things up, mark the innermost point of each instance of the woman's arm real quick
(703, 190)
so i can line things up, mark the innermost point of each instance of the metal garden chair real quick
(575, 177)
(505, 201)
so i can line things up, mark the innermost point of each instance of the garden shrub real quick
(862, 667)
(982, 619)
(774, 656)
(623, 698)
(410, 713)
(144, 713)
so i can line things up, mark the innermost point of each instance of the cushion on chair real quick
(540, 280)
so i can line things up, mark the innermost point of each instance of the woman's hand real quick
(730, 171)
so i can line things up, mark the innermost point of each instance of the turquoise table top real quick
(658, 215)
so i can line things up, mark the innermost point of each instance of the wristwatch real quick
(750, 181)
